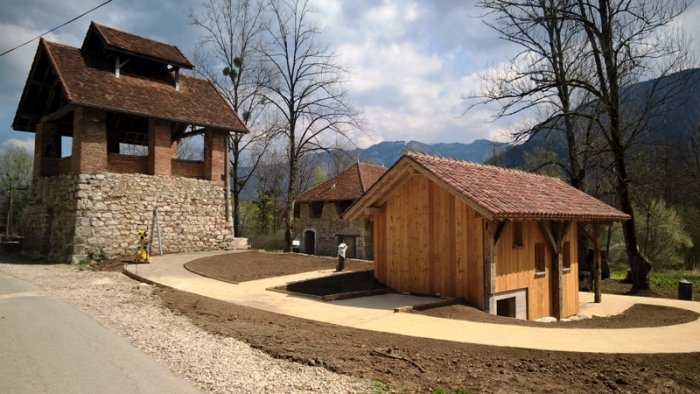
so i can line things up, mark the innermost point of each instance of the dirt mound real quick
(447, 365)
(639, 315)
(252, 265)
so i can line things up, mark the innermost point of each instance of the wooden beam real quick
(547, 232)
(51, 95)
(58, 114)
(555, 233)
(490, 258)
(39, 84)
(594, 238)
(563, 231)
(371, 211)
(118, 65)
(27, 115)
(379, 192)
(597, 276)
(499, 231)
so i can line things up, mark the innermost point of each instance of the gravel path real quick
(216, 364)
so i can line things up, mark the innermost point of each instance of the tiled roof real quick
(349, 184)
(514, 194)
(90, 81)
(130, 43)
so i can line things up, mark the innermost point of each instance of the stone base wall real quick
(69, 215)
(327, 228)
(49, 227)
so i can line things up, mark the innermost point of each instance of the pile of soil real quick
(336, 284)
(639, 315)
(252, 265)
(447, 365)
(420, 364)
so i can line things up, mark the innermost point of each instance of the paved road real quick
(48, 346)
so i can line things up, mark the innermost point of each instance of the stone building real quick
(320, 213)
(116, 94)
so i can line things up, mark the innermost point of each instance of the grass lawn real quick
(664, 282)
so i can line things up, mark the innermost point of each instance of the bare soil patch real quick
(252, 265)
(639, 315)
(448, 365)
(420, 364)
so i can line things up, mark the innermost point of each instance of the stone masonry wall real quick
(49, 225)
(105, 212)
(329, 225)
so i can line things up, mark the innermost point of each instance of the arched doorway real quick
(310, 242)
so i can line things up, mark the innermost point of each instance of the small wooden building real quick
(504, 240)
(319, 213)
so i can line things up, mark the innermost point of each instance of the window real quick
(316, 209)
(66, 146)
(518, 235)
(539, 258)
(506, 307)
(566, 255)
(297, 211)
(342, 206)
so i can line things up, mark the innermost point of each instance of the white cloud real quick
(26, 144)
(411, 61)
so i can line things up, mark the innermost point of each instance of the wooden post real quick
(556, 233)
(598, 277)
(489, 266)
(492, 233)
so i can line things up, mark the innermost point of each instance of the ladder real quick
(155, 224)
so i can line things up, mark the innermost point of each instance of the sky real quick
(411, 63)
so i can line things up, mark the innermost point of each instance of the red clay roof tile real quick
(131, 43)
(90, 81)
(514, 194)
(349, 184)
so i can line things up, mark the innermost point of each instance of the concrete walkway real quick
(376, 313)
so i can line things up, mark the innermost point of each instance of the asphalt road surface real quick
(48, 346)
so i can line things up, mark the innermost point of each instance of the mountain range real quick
(388, 152)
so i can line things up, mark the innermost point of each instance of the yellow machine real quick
(142, 248)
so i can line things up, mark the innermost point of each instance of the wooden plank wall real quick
(429, 242)
(570, 278)
(515, 269)
(379, 236)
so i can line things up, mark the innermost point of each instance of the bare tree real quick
(228, 55)
(544, 74)
(191, 148)
(271, 179)
(342, 156)
(580, 61)
(15, 178)
(628, 41)
(306, 89)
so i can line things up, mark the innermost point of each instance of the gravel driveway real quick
(216, 364)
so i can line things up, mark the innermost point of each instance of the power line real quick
(56, 28)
